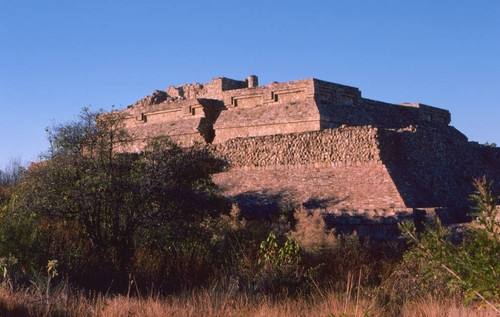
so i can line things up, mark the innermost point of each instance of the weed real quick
(474, 264)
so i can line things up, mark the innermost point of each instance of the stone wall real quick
(270, 119)
(292, 91)
(439, 161)
(336, 171)
(364, 189)
(342, 146)
(363, 171)
(225, 108)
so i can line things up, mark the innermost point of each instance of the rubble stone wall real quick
(344, 145)
(439, 161)
(360, 168)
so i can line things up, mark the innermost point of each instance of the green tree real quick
(90, 202)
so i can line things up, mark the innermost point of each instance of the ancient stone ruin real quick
(366, 164)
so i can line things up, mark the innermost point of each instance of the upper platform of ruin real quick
(226, 108)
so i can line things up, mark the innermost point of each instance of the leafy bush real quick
(280, 267)
(472, 265)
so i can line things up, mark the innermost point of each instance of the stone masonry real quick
(365, 164)
(225, 109)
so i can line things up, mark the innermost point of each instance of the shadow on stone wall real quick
(263, 203)
(323, 203)
(434, 166)
(212, 109)
(364, 225)
(256, 204)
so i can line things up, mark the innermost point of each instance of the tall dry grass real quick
(222, 301)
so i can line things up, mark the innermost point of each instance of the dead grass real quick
(217, 302)
(311, 232)
(442, 307)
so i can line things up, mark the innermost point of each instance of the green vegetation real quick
(472, 265)
(105, 215)
(90, 219)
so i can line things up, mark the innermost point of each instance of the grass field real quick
(222, 301)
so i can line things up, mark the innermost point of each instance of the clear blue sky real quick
(59, 56)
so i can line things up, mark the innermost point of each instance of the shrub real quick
(472, 265)
(95, 209)
(312, 233)
(335, 257)
(280, 268)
